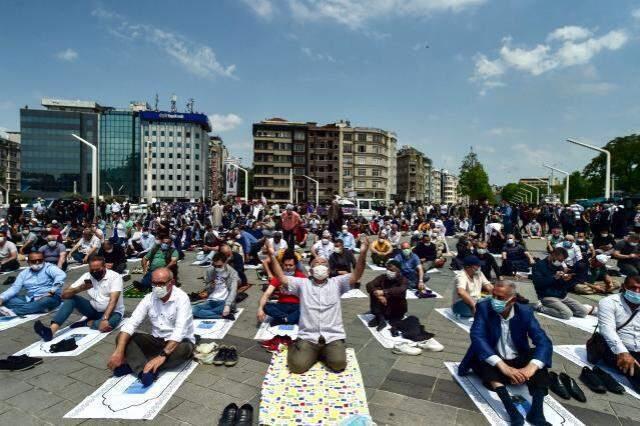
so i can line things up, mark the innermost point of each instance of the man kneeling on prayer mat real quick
(321, 332)
(388, 296)
(103, 310)
(172, 339)
(500, 353)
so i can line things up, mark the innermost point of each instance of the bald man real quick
(172, 337)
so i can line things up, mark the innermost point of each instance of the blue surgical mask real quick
(567, 244)
(164, 246)
(498, 305)
(632, 297)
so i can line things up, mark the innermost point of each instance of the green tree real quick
(625, 159)
(473, 179)
(510, 190)
(579, 186)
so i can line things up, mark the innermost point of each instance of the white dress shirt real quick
(100, 293)
(613, 311)
(505, 347)
(324, 250)
(170, 320)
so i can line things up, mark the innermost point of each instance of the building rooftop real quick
(77, 104)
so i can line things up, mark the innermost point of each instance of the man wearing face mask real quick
(487, 261)
(627, 254)
(321, 330)
(54, 252)
(500, 354)
(221, 286)
(515, 258)
(86, 246)
(381, 249)
(555, 238)
(8, 254)
(410, 266)
(574, 261)
(277, 242)
(172, 338)
(469, 285)
(103, 310)
(41, 284)
(113, 256)
(140, 243)
(28, 241)
(388, 296)
(324, 247)
(552, 282)
(429, 253)
(342, 260)
(604, 242)
(287, 309)
(162, 255)
(348, 240)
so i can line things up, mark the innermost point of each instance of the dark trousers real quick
(610, 359)
(283, 313)
(303, 354)
(119, 267)
(488, 374)
(12, 265)
(289, 237)
(143, 347)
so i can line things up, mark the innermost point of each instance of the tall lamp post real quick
(317, 188)
(607, 175)
(94, 173)
(530, 193)
(537, 192)
(566, 188)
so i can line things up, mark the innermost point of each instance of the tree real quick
(579, 186)
(625, 159)
(509, 191)
(473, 179)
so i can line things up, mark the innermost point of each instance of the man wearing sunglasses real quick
(35, 290)
(172, 337)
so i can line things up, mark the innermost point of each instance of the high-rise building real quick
(176, 148)
(344, 160)
(54, 163)
(436, 186)
(10, 160)
(119, 158)
(413, 169)
(218, 154)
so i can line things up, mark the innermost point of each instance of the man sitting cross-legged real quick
(103, 310)
(500, 353)
(172, 337)
(469, 284)
(287, 309)
(221, 285)
(388, 296)
(41, 284)
(321, 331)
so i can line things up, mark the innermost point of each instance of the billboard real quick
(231, 180)
(200, 119)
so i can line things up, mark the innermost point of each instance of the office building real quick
(218, 154)
(10, 161)
(175, 154)
(444, 187)
(119, 153)
(412, 171)
(54, 163)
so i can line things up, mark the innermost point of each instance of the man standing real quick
(103, 310)
(172, 336)
(321, 331)
(500, 354)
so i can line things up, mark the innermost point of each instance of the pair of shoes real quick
(205, 353)
(565, 387)
(406, 349)
(378, 322)
(431, 345)
(19, 363)
(425, 294)
(206, 348)
(227, 355)
(43, 331)
(137, 271)
(66, 345)
(234, 416)
(78, 324)
(599, 381)
(273, 345)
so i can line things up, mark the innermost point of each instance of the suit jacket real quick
(486, 332)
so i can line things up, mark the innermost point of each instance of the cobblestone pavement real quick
(401, 390)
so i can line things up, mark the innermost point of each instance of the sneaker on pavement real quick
(221, 356)
(431, 345)
(232, 357)
(206, 359)
(406, 349)
(206, 348)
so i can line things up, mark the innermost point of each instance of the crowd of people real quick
(588, 251)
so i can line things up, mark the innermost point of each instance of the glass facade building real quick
(119, 153)
(52, 159)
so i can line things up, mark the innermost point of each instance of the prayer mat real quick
(214, 328)
(354, 293)
(10, 322)
(268, 331)
(587, 323)
(376, 267)
(463, 323)
(384, 336)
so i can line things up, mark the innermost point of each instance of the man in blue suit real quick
(500, 353)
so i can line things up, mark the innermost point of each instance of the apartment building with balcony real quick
(413, 170)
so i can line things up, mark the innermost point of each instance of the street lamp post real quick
(537, 192)
(94, 173)
(607, 177)
(566, 188)
(317, 188)
(530, 193)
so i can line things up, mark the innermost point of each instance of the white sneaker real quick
(406, 349)
(206, 359)
(206, 348)
(431, 345)
(6, 312)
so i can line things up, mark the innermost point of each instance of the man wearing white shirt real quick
(277, 242)
(172, 336)
(104, 309)
(323, 248)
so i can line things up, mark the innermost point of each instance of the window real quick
(153, 188)
(187, 145)
(187, 166)
(162, 155)
(178, 188)
(361, 184)
(153, 177)
(162, 133)
(178, 177)
(362, 160)
(178, 166)
(153, 133)
(187, 156)
(171, 166)
(161, 166)
(179, 144)
(348, 148)
(146, 133)
(187, 134)
(178, 155)
(362, 148)
(298, 158)
(161, 144)
(171, 155)
(346, 172)
(298, 147)
(377, 138)
(153, 155)
(187, 188)
(171, 134)
(161, 187)
(197, 188)
(170, 187)
(197, 156)
(376, 173)
(348, 137)
(298, 135)
(197, 167)
(197, 177)
(362, 172)
(361, 137)
(170, 144)
(197, 135)
(197, 146)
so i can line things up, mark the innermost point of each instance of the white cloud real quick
(356, 13)
(68, 55)
(315, 56)
(262, 8)
(224, 123)
(502, 131)
(567, 46)
(636, 13)
(596, 88)
(569, 32)
(198, 59)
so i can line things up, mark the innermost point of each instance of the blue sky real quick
(513, 79)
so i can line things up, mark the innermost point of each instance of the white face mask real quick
(391, 274)
(510, 241)
(557, 263)
(36, 267)
(320, 272)
(160, 292)
(289, 273)
(52, 243)
(325, 241)
(482, 251)
(338, 250)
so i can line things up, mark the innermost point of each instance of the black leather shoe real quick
(232, 357)
(375, 321)
(229, 414)
(592, 381)
(572, 387)
(557, 386)
(244, 417)
(609, 382)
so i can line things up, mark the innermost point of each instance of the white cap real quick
(602, 258)
(54, 222)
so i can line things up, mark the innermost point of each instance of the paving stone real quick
(78, 391)
(203, 378)
(391, 416)
(470, 418)
(257, 353)
(10, 417)
(201, 395)
(51, 382)
(91, 376)
(387, 399)
(11, 387)
(417, 379)
(592, 417)
(34, 400)
(237, 390)
(630, 411)
(407, 389)
(56, 413)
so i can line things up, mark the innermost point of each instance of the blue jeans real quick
(211, 309)
(84, 307)
(78, 257)
(20, 306)
(462, 309)
(145, 282)
(284, 313)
